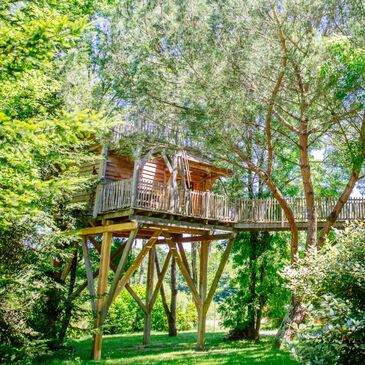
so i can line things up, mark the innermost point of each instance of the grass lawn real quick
(127, 349)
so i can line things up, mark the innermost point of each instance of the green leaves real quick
(344, 74)
(332, 287)
(32, 33)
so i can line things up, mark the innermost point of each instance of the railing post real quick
(97, 200)
(207, 198)
(173, 186)
(135, 178)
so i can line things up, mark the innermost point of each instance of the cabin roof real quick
(205, 164)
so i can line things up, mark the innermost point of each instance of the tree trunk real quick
(169, 311)
(333, 216)
(296, 314)
(261, 298)
(354, 178)
(308, 186)
(251, 332)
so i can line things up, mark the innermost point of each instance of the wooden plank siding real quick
(118, 167)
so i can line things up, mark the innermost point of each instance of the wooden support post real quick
(203, 282)
(119, 270)
(218, 274)
(127, 275)
(149, 292)
(89, 274)
(101, 293)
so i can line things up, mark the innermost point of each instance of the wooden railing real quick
(114, 196)
(206, 205)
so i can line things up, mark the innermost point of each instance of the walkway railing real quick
(206, 205)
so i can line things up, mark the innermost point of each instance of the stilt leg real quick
(101, 293)
(149, 293)
(203, 278)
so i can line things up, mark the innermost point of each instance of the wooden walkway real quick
(243, 213)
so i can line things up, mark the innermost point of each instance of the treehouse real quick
(158, 184)
(166, 198)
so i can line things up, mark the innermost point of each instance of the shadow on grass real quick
(163, 350)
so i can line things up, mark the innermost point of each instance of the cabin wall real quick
(155, 170)
(120, 168)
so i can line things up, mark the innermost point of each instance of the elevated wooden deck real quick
(245, 214)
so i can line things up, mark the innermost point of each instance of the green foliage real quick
(33, 32)
(125, 316)
(256, 286)
(41, 147)
(332, 287)
(23, 282)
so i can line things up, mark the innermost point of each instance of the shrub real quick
(187, 318)
(332, 288)
(125, 316)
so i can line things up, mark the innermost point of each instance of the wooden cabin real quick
(180, 184)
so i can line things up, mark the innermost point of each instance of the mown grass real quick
(163, 350)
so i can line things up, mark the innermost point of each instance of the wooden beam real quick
(121, 265)
(121, 227)
(95, 244)
(149, 292)
(96, 273)
(136, 297)
(203, 282)
(130, 271)
(114, 268)
(101, 293)
(89, 274)
(183, 256)
(161, 276)
(212, 237)
(190, 227)
(218, 274)
(118, 214)
(183, 268)
(167, 162)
